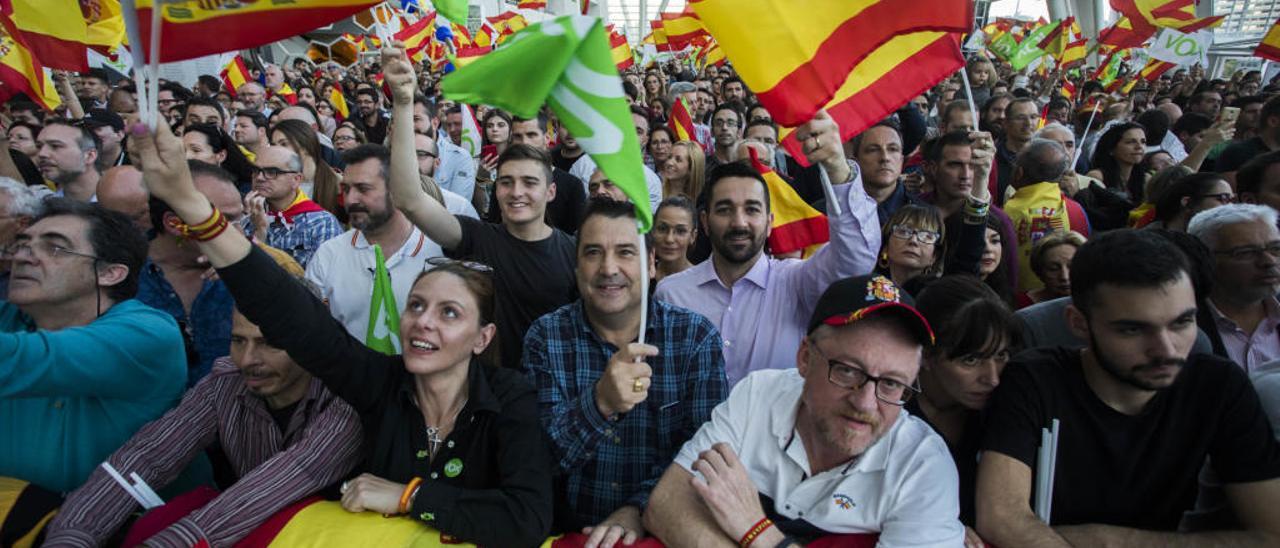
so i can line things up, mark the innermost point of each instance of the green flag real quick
(567, 63)
(453, 10)
(1027, 49)
(1004, 46)
(384, 317)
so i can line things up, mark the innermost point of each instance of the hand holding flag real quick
(820, 140)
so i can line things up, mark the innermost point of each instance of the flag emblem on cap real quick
(880, 288)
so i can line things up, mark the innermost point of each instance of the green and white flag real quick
(384, 316)
(567, 63)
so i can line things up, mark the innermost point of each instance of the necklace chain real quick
(433, 432)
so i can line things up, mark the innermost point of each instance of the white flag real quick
(1182, 49)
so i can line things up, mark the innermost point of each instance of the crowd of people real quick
(190, 305)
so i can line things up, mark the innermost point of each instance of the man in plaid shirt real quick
(279, 212)
(616, 410)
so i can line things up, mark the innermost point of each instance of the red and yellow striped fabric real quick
(286, 92)
(467, 55)
(884, 80)
(620, 50)
(532, 4)
(682, 28)
(1074, 54)
(681, 122)
(1174, 14)
(796, 225)
(339, 101)
(799, 59)
(508, 23)
(711, 54)
(54, 31)
(416, 36)
(1127, 33)
(659, 35)
(195, 29)
(1269, 47)
(234, 75)
(1154, 69)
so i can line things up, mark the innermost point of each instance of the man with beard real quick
(343, 267)
(1242, 315)
(760, 304)
(822, 448)
(615, 410)
(726, 124)
(67, 155)
(1140, 416)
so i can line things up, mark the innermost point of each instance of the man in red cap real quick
(822, 449)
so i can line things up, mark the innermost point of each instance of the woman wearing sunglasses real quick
(453, 442)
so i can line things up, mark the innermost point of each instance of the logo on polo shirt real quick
(453, 467)
(843, 501)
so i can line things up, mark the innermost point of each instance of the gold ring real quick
(638, 386)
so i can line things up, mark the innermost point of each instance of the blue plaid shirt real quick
(604, 464)
(300, 238)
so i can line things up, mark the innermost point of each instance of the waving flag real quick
(1075, 53)
(234, 75)
(1269, 47)
(659, 36)
(195, 29)
(507, 23)
(471, 138)
(681, 122)
(620, 50)
(803, 58)
(1127, 32)
(383, 334)
(532, 4)
(54, 31)
(796, 224)
(105, 24)
(339, 101)
(1174, 14)
(682, 28)
(453, 10)
(466, 56)
(416, 36)
(21, 72)
(566, 63)
(286, 92)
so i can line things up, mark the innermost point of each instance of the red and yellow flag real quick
(508, 23)
(234, 75)
(54, 31)
(1269, 47)
(711, 54)
(105, 29)
(1074, 53)
(796, 224)
(486, 35)
(416, 36)
(466, 56)
(21, 72)
(1058, 40)
(681, 122)
(659, 36)
(532, 4)
(1127, 32)
(286, 92)
(1174, 14)
(189, 28)
(1154, 69)
(621, 50)
(802, 59)
(1068, 90)
(682, 28)
(339, 101)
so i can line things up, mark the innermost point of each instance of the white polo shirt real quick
(343, 267)
(904, 486)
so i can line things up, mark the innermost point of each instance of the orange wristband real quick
(408, 494)
(755, 531)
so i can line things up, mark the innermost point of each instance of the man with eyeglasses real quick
(1021, 116)
(279, 213)
(1242, 315)
(726, 127)
(1139, 417)
(823, 448)
(254, 97)
(83, 364)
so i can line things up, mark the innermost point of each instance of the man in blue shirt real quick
(617, 410)
(83, 364)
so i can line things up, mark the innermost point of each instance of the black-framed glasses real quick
(269, 172)
(1222, 197)
(42, 249)
(903, 232)
(1251, 252)
(852, 377)
(469, 265)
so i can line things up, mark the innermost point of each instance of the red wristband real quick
(761, 526)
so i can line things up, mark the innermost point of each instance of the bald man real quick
(121, 190)
(279, 213)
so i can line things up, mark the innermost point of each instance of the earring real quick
(884, 259)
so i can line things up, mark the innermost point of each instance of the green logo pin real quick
(453, 467)
(422, 454)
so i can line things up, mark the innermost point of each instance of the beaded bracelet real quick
(407, 495)
(755, 531)
(202, 232)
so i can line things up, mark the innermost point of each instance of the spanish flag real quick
(659, 36)
(681, 122)
(711, 54)
(796, 224)
(532, 4)
(466, 56)
(105, 23)
(287, 94)
(1126, 33)
(802, 59)
(1068, 90)
(1154, 69)
(1058, 40)
(54, 31)
(1074, 53)
(1174, 14)
(485, 35)
(339, 102)
(416, 36)
(508, 23)
(21, 72)
(234, 75)
(621, 50)
(195, 29)
(1269, 47)
(682, 28)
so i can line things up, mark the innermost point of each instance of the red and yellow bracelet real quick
(761, 526)
(407, 495)
(202, 232)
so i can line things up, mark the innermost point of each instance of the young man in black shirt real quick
(1139, 416)
(533, 263)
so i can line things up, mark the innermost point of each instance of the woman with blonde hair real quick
(685, 171)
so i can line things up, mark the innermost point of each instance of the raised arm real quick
(427, 214)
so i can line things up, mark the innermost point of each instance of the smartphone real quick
(488, 151)
(1229, 114)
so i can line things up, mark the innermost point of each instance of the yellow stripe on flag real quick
(1269, 47)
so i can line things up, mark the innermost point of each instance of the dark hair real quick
(762, 123)
(732, 106)
(731, 169)
(1202, 95)
(254, 116)
(630, 89)
(1016, 100)
(1199, 259)
(180, 93)
(1169, 202)
(1155, 124)
(368, 151)
(206, 169)
(1059, 102)
(325, 185)
(856, 142)
(367, 91)
(958, 104)
(1042, 160)
(991, 101)
(1247, 100)
(87, 138)
(1192, 123)
(236, 162)
(933, 147)
(27, 106)
(1252, 173)
(207, 102)
(1110, 168)
(113, 236)
(680, 201)
(211, 82)
(541, 118)
(659, 127)
(967, 317)
(611, 209)
(998, 280)
(1126, 258)
(484, 123)
(1270, 109)
(420, 99)
(98, 74)
(480, 285)
(34, 129)
(526, 152)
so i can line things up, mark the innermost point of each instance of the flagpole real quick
(973, 110)
(129, 11)
(1080, 145)
(644, 280)
(153, 90)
